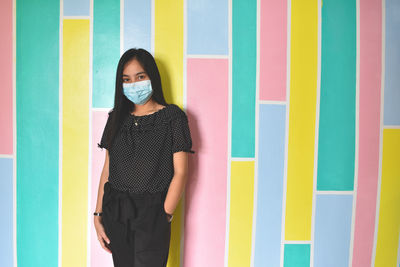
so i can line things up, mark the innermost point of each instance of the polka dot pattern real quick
(141, 155)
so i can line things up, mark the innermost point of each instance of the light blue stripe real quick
(332, 230)
(207, 27)
(106, 54)
(137, 24)
(6, 207)
(271, 161)
(392, 63)
(76, 7)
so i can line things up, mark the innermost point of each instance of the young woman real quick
(145, 168)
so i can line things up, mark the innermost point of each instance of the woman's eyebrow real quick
(143, 72)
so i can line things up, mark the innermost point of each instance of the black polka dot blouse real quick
(141, 155)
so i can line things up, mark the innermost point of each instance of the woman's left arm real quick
(178, 182)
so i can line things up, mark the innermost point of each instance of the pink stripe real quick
(369, 125)
(99, 257)
(273, 31)
(205, 199)
(6, 71)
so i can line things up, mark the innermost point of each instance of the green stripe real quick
(244, 52)
(105, 51)
(336, 145)
(37, 91)
(296, 255)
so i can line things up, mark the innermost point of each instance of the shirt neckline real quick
(148, 115)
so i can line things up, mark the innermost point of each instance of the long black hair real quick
(122, 105)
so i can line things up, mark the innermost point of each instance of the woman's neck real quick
(150, 107)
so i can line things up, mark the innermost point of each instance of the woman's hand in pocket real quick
(101, 234)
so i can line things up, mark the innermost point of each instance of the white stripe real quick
(73, 17)
(101, 109)
(121, 27)
(398, 253)
(60, 128)
(6, 156)
(334, 192)
(209, 56)
(378, 195)
(182, 240)
(288, 39)
(317, 109)
(272, 102)
(298, 242)
(228, 184)
(391, 127)
(152, 26)
(184, 100)
(357, 134)
(255, 185)
(242, 159)
(90, 159)
(14, 85)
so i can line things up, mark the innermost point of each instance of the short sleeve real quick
(181, 138)
(106, 132)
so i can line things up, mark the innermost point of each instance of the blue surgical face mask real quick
(138, 92)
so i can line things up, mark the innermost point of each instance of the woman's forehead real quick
(133, 67)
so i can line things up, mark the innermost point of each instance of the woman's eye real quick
(125, 80)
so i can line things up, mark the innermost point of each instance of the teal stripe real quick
(106, 47)
(336, 145)
(296, 255)
(37, 101)
(244, 52)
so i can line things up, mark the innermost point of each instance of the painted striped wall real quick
(293, 108)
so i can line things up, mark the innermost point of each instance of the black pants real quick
(137, 226)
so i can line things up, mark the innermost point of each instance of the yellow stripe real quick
(241, 213)
(303, 89)
(168, 46)
(389, 215)
(75, 141)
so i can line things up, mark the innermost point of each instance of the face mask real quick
(138, 92)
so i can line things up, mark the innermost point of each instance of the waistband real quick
(120, 205)
(136, 195)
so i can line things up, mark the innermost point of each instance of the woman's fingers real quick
(103, 244)
(101, 235)
(104, 236)
(105, 247)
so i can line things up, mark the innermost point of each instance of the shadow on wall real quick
(165, 79)
(193, 125)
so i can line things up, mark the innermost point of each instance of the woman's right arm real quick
(101, 235)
